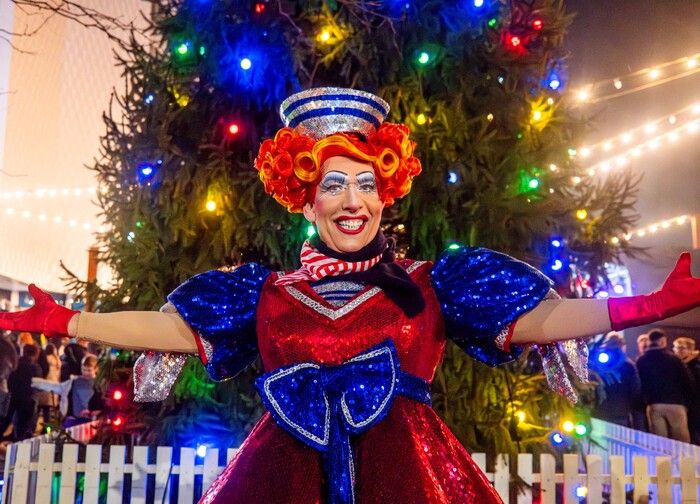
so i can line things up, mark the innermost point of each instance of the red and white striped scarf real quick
(315, 266)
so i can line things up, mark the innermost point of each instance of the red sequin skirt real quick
(408, 457)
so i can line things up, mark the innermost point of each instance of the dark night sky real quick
(616, 37)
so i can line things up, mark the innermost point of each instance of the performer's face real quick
(347, 209)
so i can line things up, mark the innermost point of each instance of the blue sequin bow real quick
(324, 405)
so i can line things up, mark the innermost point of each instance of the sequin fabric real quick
(319, 112)
(574, 351)
(487, 294)
(155, 372)
(322, 406)
(409, 456)
(220, 307)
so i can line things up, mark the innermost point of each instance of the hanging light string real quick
(55, 220)
(684, 67)
(663, 225)
(650, 127)
(636, 151)
(50, 193)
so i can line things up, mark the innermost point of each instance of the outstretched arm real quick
(137, 330)
(164, 332)
(562, 319)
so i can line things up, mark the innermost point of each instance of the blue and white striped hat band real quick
(319, 112)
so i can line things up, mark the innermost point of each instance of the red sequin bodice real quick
(294, 324)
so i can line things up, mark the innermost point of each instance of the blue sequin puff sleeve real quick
(220, 307)
(481, 292)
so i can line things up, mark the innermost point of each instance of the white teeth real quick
(351, 225)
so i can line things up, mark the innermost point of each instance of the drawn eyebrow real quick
(365, 176)
(336, 176)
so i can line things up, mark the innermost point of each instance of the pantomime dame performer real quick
(351, 340)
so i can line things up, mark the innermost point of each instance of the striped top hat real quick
(323, 111)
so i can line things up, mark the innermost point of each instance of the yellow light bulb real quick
(521, 416)
(324, 36)
(421, 119)
(567, 426)
(581, 214)
(211, 205)
(536, 115)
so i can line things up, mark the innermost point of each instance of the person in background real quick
(684, 348)
(621, 388)
(80, 400)
(48, 400)
(8, 363)
(23, 402)
(639, 415)
(24, 338)
(667, 389)
(642, 344)
(72, 358)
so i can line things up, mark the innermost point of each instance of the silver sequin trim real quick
(370, 419)
(413, 266)
(298, 428)
(329, 312)
(335, 314)
(338, 285)
(500, 339)
(155, 372)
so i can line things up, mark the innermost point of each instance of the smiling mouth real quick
(351, 226)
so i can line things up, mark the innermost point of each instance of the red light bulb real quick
(118, 422)
(117, 395)
(259, 8)
(514, 41)
(537, 24)
(233, 129)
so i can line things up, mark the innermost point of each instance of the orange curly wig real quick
(289, 165)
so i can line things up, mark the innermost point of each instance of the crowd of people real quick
(659, 392)
(40, 378)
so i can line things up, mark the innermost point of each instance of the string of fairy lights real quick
(649, 145)
(650, 229)
(639, 80)
(621, 150)
(17, 197)
(676, 119)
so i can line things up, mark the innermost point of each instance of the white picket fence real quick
(31, 479)
(657, 470)
(612, 439)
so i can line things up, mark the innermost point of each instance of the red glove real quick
(680, 293)
(44, 317)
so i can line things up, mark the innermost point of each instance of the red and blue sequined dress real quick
(405, 453)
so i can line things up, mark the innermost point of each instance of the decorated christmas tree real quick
(482, 85)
